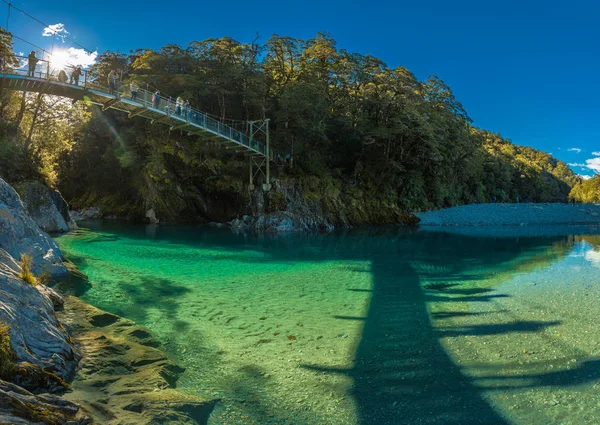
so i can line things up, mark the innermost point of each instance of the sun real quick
(60, 60)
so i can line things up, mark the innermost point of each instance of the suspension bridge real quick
(16, 74)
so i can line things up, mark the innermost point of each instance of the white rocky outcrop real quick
(20, 234)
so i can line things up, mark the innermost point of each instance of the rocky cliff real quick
(292, 204)
(20, 234)
(313, 204)
(121, 375)
(39, 355)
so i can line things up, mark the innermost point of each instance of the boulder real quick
(46, 207)
(90, 213)
(151, 216)
(20, 234)
(36, 335)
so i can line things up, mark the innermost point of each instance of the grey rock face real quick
(86, 214)
(19, 234)
(46, 207)
(36, 335)
(38, 407)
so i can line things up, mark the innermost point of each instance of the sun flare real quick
(60, 60)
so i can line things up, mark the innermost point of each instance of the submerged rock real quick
(123, 378)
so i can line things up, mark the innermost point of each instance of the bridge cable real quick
(46, 26)
(8, 15)
(63, 36)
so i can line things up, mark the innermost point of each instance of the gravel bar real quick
(512, 215)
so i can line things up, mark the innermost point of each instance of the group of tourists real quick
(32, 61)
(182, 107)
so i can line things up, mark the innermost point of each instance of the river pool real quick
(453, 326)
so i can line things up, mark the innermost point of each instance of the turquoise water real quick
(364, 327)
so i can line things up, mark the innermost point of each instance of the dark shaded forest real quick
(346, 121)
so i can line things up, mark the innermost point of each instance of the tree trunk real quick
(33, 120)
(21, 112)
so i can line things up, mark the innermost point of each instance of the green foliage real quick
(7, 355)
(344, 118)
(26, 274)
(587, 190)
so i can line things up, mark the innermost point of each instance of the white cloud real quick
(56, 29)
(574, 150)
(576, 164)
(81, 57)
(585, 176)
(596, 153)
(593, 164)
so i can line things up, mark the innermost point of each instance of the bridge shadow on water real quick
(402, 374)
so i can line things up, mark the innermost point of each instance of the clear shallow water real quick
(366, 327)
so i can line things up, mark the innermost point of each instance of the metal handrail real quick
(122, 90)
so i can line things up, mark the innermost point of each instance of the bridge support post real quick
(251, 185)
(267, 185)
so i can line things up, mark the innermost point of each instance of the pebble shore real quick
(512, 215)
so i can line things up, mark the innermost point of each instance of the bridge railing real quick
(19, 65)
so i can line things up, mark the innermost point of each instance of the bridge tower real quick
(260, 164)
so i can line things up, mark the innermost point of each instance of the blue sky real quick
(525, 69)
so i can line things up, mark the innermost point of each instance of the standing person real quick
(33, 60)
(134, 89)
(112, 81)
(75, 76)
(178, 104)
(187, 111)
(62, 76)
(156, 99)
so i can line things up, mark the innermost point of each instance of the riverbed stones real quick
(513, 215)
(122, 378)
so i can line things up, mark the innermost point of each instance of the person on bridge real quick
(134, 89)
(112, 81)
(33, 60)
(156, 99)
(62, 76)
(187, 110)
(178, 105)
(75, 75)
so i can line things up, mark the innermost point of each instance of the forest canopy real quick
(339, 116)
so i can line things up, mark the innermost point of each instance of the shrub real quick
(26, 273)
(7, 355)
